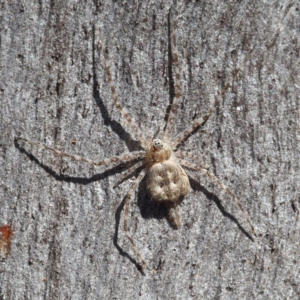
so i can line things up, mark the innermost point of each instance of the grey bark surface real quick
(68, 240)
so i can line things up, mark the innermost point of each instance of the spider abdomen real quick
(167, 182)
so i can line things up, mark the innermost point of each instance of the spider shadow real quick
(147, 207)
(85, 181)
(170, 70)
(65, 178)
(131, 144)
(196, 186)
(115, 239)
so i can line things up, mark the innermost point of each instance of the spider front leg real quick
(183, 154)
(125, 157)
(122, 110)
(174, 106)
(130, 171)
(126, 213)
(198, 122)
(194, 167)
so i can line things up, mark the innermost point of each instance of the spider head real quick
(158, 151)
(157, 144)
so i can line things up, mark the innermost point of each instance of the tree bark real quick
(67, 217)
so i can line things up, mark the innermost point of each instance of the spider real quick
(166, 181)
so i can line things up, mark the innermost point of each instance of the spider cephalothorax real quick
(158, 151)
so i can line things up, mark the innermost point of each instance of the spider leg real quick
(221, 184)
(182, 154)
(125, 157)
(126, 212)
(174, 107)
(130, 171)
(122, 110)
(184, 134)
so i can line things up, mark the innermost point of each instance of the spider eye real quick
(157, 144)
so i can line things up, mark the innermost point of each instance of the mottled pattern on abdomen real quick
(167, 182)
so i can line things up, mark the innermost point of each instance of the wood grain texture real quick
(68, 240)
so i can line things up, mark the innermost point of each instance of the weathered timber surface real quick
(67, 218)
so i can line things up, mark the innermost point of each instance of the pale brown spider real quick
(166, 181)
